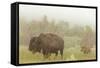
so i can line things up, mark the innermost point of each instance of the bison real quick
(46, 44)
(86, 49)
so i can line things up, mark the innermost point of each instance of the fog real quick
(75, 16)
(75, 26)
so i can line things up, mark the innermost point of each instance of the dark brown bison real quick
(86, 49)
(87, 43)
(46, 44)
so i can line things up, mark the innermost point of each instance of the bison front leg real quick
(45, 54)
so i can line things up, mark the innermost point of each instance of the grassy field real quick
(71, 53)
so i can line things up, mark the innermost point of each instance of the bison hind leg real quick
(61, 53)
(56, 54)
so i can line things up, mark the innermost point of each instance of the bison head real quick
(34, 45)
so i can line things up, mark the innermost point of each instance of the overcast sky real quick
(81, 16)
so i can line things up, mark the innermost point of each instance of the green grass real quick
(71, 53)
(26, 56)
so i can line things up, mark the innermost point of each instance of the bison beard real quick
(47, 44)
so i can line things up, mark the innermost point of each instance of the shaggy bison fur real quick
(46, 44)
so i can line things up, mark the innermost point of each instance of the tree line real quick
(61, 28)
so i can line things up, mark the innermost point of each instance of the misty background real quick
(81, 16)
(64, 21)
(76, 26)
